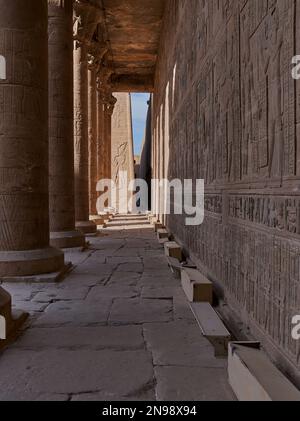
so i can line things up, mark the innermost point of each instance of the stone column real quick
(110, 105)
(24, 168)
(92, 119)
(100, 136)
(61, 144)
(87, 17)
(106, 140)
(81, 139)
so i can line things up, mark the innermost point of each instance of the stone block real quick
(197, 384)
(172, 249)
(253, 377)
(10, 320)
(196, 286)
(158, 226)
(52, 277)
(212, 327)
(162, 233)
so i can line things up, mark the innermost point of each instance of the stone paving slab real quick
(75, 279)
(127, 252)
(158, 281)
(160, 292)
(20, 292)
(147, 395)
(130, 267)
(192, 384)
(74, 372)
(124, 260)
(114, 291)
(180, 344)
(181, 309)
(118, 327)
(30, 306)
(138, 311)
(124, 279)
(100, 337)
(54, 294)
(75, 313)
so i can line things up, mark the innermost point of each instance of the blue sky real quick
(139, 115)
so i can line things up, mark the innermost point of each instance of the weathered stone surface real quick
(125, 278)
(102, 337)
(134, 48)
(192, 384)
(160, 292)
(81, 153)
(180, 344)
(181, 308)
(24, 218)
(114, 291)
(77, 313)
(131, 268)
(73, 372)
(83, 346)
(226, 110)
(65, 294)
(126, 311)
(158, 281)
(124, 260)
(9, 321)
(30, 307)
(144, 396)
(77, 279)
(61, 145)
(92, 138)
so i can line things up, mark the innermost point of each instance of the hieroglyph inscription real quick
(2, 68)
(234, 118)
(2, 328)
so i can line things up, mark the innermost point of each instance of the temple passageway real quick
(118, 327)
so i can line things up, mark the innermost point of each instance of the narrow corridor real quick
(118, 327)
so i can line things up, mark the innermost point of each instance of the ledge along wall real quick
(227, 110)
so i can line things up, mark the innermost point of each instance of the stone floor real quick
(117, 328)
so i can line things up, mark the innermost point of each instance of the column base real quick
(30, 262)
(42, 278)
(10, 321)
(86, 227)
(67, 239)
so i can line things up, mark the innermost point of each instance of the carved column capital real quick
(97, 51)
(86, 18)
(111, 104)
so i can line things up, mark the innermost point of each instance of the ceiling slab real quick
(133, 29)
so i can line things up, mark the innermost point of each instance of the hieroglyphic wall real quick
(122, 141)
(224, 74)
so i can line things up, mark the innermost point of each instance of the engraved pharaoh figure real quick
(271, 60)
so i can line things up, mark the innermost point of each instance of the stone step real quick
(98, 220)
(212, 327)
(196, 286)
(130, 216)
(253, 377)
(172, 249)
(116, 223)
